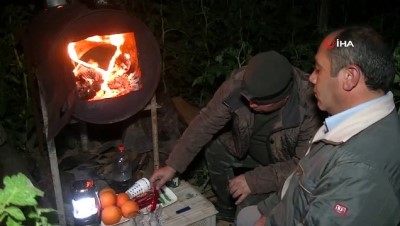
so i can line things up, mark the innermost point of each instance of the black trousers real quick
(222, 166)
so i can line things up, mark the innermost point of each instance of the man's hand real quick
(161, 176)
(239, 189)
(261, 221)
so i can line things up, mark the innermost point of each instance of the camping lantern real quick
(85, 203)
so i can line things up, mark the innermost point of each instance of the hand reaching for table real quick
(161, 176)
(239, 188)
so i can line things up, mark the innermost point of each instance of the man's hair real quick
(369, 53)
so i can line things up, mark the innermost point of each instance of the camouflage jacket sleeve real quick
(202, 128)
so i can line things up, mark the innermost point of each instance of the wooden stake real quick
(51, 149)
(154, 127)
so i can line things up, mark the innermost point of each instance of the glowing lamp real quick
(85, 203)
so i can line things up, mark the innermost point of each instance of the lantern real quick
(85, 203)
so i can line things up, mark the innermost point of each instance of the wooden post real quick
(51, 149)
(83, 135)
(154, 127)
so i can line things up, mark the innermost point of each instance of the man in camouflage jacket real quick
(260, 119)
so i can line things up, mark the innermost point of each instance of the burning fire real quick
(105, 66)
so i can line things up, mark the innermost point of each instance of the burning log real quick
(88, 83)
(124, 62)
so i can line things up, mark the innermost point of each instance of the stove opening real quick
(105, 66)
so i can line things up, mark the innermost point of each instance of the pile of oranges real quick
(115, 206)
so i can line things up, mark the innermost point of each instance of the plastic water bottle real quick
(122, 172)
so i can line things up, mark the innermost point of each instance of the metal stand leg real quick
(51, 148)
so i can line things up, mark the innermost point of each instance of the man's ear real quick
(351, 77)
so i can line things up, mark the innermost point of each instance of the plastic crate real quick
(202, 212)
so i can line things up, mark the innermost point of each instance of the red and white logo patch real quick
(340, 209)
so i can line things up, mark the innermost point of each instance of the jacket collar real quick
(291, 112)
(357, 122)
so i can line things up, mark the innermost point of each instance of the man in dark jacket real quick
(351, 173)
(261, 119)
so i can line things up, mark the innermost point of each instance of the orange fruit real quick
(122, 198)
(107, 189)
(130, 209)
(107, 198)
(111, 215)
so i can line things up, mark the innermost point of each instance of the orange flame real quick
(105, 66)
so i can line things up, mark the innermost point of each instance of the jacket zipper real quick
(303, 221)
(300, 183)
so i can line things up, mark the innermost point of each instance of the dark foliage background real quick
(201, 41)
